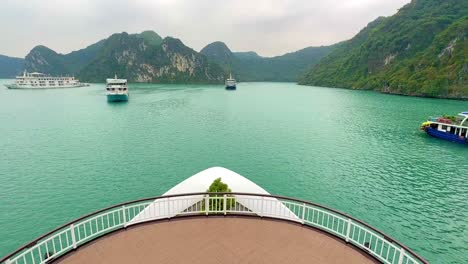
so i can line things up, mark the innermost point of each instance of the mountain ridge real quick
(10, 66)
(140, 57)
(387, 55)
(147, 57)
(249, 66)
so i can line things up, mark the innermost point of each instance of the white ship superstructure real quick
(36, 80)
(116, 89)
(230, 83)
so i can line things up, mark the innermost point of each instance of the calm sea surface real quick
(67, 152)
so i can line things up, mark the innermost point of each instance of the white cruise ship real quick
(116, 90)
(36, 80)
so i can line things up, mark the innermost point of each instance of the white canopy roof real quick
(200, 182)
(110, 81)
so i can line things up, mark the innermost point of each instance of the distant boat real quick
(451, 128)
(37, 80)
(230, 83)
(116, 90)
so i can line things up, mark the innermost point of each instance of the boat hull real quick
(446, 136)
(230, 87)
(117, 97)
(15, 86)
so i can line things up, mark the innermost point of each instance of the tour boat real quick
(230, 83)
(116, 90)
(37, 80)
(451, 128)
(189, 225)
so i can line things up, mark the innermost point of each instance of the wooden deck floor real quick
(217, 240)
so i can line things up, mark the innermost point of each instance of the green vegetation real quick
(217, 204)
(249, 66)
(46, 60)
(451, 118)
(150, 37)
(144, 57)
(421, 50)
(43, 59)
(10, 67)
(218, 186)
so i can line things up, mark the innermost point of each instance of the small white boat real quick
(116, 90)
(37, 80)
(230, 83)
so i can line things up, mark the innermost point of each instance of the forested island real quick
(420, 51)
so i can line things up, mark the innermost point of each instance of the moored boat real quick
(37, 80)
(116, 90)
(451, 128)
(230, 83)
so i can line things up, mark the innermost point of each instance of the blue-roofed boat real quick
(451, 128)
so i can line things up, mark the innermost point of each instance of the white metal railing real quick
(70, 236)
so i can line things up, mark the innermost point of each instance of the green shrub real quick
(217, 204)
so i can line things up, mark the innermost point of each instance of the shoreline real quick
(394, 93)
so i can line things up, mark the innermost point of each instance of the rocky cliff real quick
(144, 57)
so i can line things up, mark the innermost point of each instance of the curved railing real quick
(84, 229)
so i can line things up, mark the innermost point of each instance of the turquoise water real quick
(68, 152)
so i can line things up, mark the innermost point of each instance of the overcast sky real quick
(269, 27)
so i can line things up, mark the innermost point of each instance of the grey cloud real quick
(268, 27)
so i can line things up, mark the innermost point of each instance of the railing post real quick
(8, 261)
(402, 254)
(348, 230)
(167, 206)
(224, 204)
(124, 215)
(261, 212)
(207, 204)
(303, 212)
(72, 228)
